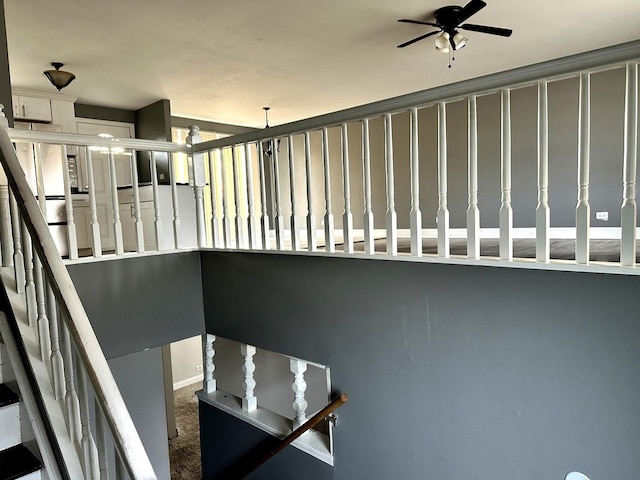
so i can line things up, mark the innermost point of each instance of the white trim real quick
(188, 381)
(47, 96)
(313, 443)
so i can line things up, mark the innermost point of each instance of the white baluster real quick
(312, 241)
(93, 209)
(299, 387)
(583, 210)
(72, 234)
(249, 400)
(542, 209)
(30, 286)
(57, 362)
(71, 400)
(506, 212)
(473, 213)
(415, 215)
(275, 174)
(252, 227)
(392, 219)
(177, 232)
(329, 233)
(137, 217)
(199, 182)
(115, 205)
(89, 449)
(216, 233)
(209, 384)
(347, 217)
(226, 221)
(295, 231)
(628, 211)
(157, 216)
(18, 256)
(442, 216)
(101, 443)
(42, 320)
(239, 222)
(264, 216)
(369, 246)
(5, 226)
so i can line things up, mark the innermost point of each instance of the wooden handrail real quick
(309, 424)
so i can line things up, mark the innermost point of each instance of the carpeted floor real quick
(184, 450)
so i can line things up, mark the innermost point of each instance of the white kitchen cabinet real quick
(31, 108)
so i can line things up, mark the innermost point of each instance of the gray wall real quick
(104, 113)
(143, 302)
(452, 371)
(153, 122)
(607, 111)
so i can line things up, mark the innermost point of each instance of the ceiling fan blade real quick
(503, 32)
(418, 22)
(471, 8)
(417, 39)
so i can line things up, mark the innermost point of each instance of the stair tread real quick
(16, 462)
(7, 396)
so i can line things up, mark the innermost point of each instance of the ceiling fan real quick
(448, 21)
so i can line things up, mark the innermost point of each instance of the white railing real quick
(67, 348)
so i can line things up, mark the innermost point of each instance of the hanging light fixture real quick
(59, 78)
(442, 42)
(459, 40)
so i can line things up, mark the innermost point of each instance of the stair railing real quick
(67, 343)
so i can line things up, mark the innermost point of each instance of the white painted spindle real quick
(157, 216)
(249, 400)
(299, 387)
(90, 465)
(177, 232)
(473, 212)
(72, 234)
(137, 216)
(252, 226)
(239, 221)
(226, 220)
(392, 219)
(214, 179)
(264, 210)
(295, 230)
(199, 182)
(312, 241)
(542, 209)
(369, 246)
(329, 231)
(71, 400)
(93, 209)
(30, 286)
(506, 212)
(628, 210)
(5, 226)
(415, 215)
(115, 205)
(442, 216)
(583, 210)
(101, 443)
(18, 256)
(209, 383)
(275, 175)
(347, 217)
(42, 320)
(57, 362)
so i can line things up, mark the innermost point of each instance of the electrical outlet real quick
(198, 368)
(602, 216)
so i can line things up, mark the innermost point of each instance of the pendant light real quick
(59, 78)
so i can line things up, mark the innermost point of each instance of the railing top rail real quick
(609, 57)
(126, 438)
(95, 141)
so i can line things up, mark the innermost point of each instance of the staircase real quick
(16, 460)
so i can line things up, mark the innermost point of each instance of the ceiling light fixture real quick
(459, 40)
(59, 78)
(442, 43)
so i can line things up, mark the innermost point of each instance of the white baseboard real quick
(188, 381)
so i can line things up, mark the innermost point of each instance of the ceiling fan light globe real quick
(459, 40)
(442, 42)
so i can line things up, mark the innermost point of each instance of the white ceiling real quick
(224, 60)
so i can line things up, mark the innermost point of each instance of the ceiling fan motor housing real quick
(448, 18)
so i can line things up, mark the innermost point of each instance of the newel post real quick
(196, 170)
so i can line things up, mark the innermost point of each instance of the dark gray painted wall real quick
(104, 113)
(139, 378)
(184, 122)
(452, 371)
(5, 80)
(153, 122)
(143, 302)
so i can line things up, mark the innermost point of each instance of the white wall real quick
(186, 357)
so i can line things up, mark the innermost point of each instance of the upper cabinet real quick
(31, 108)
